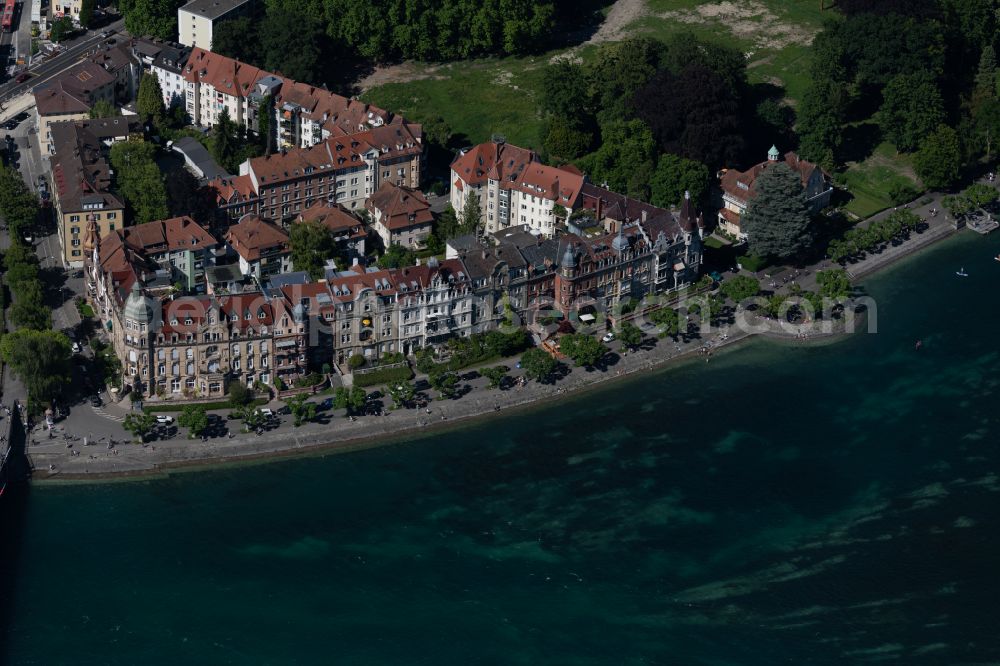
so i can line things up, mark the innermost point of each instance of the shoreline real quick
(290, 445)
(549, 393)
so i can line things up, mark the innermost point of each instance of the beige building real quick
(197, 19)
(514, 188)
(738, 187)
(81, 181)
(70, 97)
(400, 216)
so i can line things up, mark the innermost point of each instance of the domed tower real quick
(564, 283)
(773, 154)
(141, 319)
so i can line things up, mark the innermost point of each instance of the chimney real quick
(644, 216)
(484, 253)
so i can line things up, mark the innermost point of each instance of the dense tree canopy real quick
(695, 113)
(676, 175)
(911, 108)
(154, 18)
(939, 160)
(625, 160)
(777, 221)
(312, 244)
(149, 100)
(138, 180)
(41, 361)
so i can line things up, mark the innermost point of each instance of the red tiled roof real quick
(497, 161)
(333, 217)
(253, 235)
(400, 207)
(176, 233)
(233, 188)
(740, 184)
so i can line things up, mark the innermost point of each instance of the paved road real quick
(42, 72)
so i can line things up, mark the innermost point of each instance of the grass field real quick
(870, 181)
(480, 98)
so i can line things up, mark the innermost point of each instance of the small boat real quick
(961, 272)
(920, 343)
(997, 258)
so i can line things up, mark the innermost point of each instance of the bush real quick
(752, 263)
(311, 379)
(356, 361)
(209, 406)
(384, 376)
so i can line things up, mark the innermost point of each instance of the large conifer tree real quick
(777, 221)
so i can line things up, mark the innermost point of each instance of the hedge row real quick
(384, 376)
(209, 406)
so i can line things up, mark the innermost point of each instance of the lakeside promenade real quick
(332, 432)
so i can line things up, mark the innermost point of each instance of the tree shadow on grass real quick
(860, 142)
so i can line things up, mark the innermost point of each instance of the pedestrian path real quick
(101, 412)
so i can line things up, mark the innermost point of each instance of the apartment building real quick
(303, 115)
(738, 188)
(179, 245)
(81, 181)
(399, 310)
(514, 188)
(234, 195)
(400, 216)
(344, 170)
(115, 57)
(196, 21)
(263, 248)
(70, 97)
(168, 66)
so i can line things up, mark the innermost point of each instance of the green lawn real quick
(870, 181)
(483, 97)
(478, 98)
(774, 34)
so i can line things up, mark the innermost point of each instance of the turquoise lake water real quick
(783, 504)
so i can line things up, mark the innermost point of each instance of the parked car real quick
(76, 348)
(266, 411)
(164, 419)
(95, 400)
(23, 76)
(608, 337)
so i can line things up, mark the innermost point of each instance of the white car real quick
(76, 348)
(608, 337)
(266, 411)
(164, 419)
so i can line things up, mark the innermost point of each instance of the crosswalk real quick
(101, 412)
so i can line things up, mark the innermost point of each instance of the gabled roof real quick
(740, 184)
(334, 217)
(171, 235)
(226, 75)
(492, 160)
(230, 189)
(253, 235)
(73, 91)
(400, 207)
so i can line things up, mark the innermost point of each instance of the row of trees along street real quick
(39, 356)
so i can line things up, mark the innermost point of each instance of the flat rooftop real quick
(212, 9)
